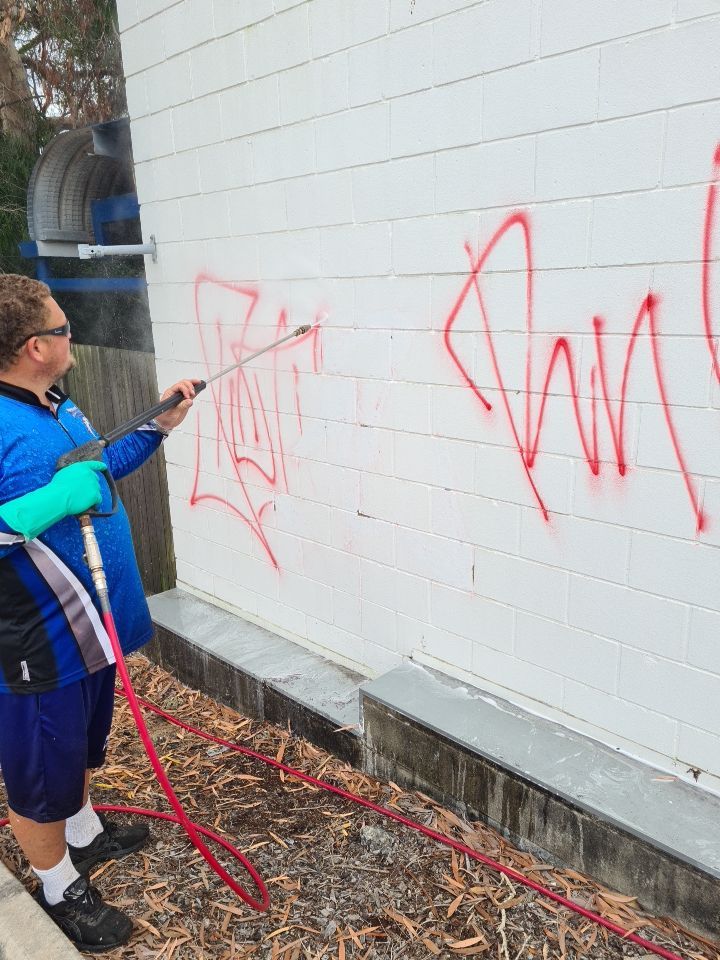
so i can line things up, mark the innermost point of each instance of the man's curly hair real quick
(23, 310)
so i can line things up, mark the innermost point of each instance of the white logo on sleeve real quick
(25, 671)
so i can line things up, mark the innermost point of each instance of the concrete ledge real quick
(257, 672)
(26, 931)
(550, 789)
(554, 791)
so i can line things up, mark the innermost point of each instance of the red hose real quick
(432, 834)
(181, 817)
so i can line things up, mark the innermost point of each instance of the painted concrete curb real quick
(26, 931)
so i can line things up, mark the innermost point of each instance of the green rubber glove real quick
(72, 491)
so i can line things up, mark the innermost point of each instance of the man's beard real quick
(66, 367)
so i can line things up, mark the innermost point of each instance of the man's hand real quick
(172, 418)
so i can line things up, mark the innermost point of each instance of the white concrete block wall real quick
(474, 199)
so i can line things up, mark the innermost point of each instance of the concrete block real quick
(314, 89)
(205, 217)
(396, 303)
(480, 39)
(690, 143)
(546, 94)
(689, 9)
(403, 15)
(218, 65)
(150, 8)
(397, 501)
(356, 353)
(127, 13)
(365, 73)
(176, 175)
(328, 397)
(186, 25)
(436, 119)
(633, 618)
(477, 520)
(136, 95)
(404, 407)
(697, 748)
(693, 427)
(169, 83)
(333, 29)
(408, 62)
(346, 612)
(285, 152)
(337, 568)
(602, 158)
(19, 912)
(308, 596)
(361, 448)
(152, 137)
(438, 559)
(378, 625)
(704, 645)
(468, 615)
(197, 123)
(230, 16)
(501, 475)
(591, 660)
(533, 587)
(356, 251)
(352, 138)
(365, 537)
(141, 48)
(670, 688)
(225, 166)
(258, 209)
(394, 589)
(616, 717)
(654, 565)
(290, 256)
(418, 639)
(444, 463)
(633, 78)
(277, 43)
(427, 245)
(488, 175)
(632, 228)
(390, 191)
(566, 25)
(597, 549)
(250, 108)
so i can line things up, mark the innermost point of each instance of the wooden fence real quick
(110, 386)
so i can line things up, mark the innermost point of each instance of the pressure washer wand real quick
(177, 397)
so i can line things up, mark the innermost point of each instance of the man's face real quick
(57, 350)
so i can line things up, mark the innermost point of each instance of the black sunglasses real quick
(63, 331)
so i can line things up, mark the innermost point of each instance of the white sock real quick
(57, 879)
(82, 829)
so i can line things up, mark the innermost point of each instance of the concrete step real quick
(575, 801)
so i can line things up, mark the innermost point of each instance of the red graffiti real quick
(247, 410)
(527, 440)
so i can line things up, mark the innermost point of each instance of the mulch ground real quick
(344, 882)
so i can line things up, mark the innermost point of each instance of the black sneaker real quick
(85, 919)
(112, 844)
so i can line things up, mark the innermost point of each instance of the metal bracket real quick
(88, 251)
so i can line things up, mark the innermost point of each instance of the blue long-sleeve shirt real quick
(51, 633)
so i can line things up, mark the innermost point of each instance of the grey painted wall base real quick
(554, 791)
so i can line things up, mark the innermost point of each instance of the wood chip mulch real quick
(344, 881)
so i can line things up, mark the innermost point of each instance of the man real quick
(57, 668)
